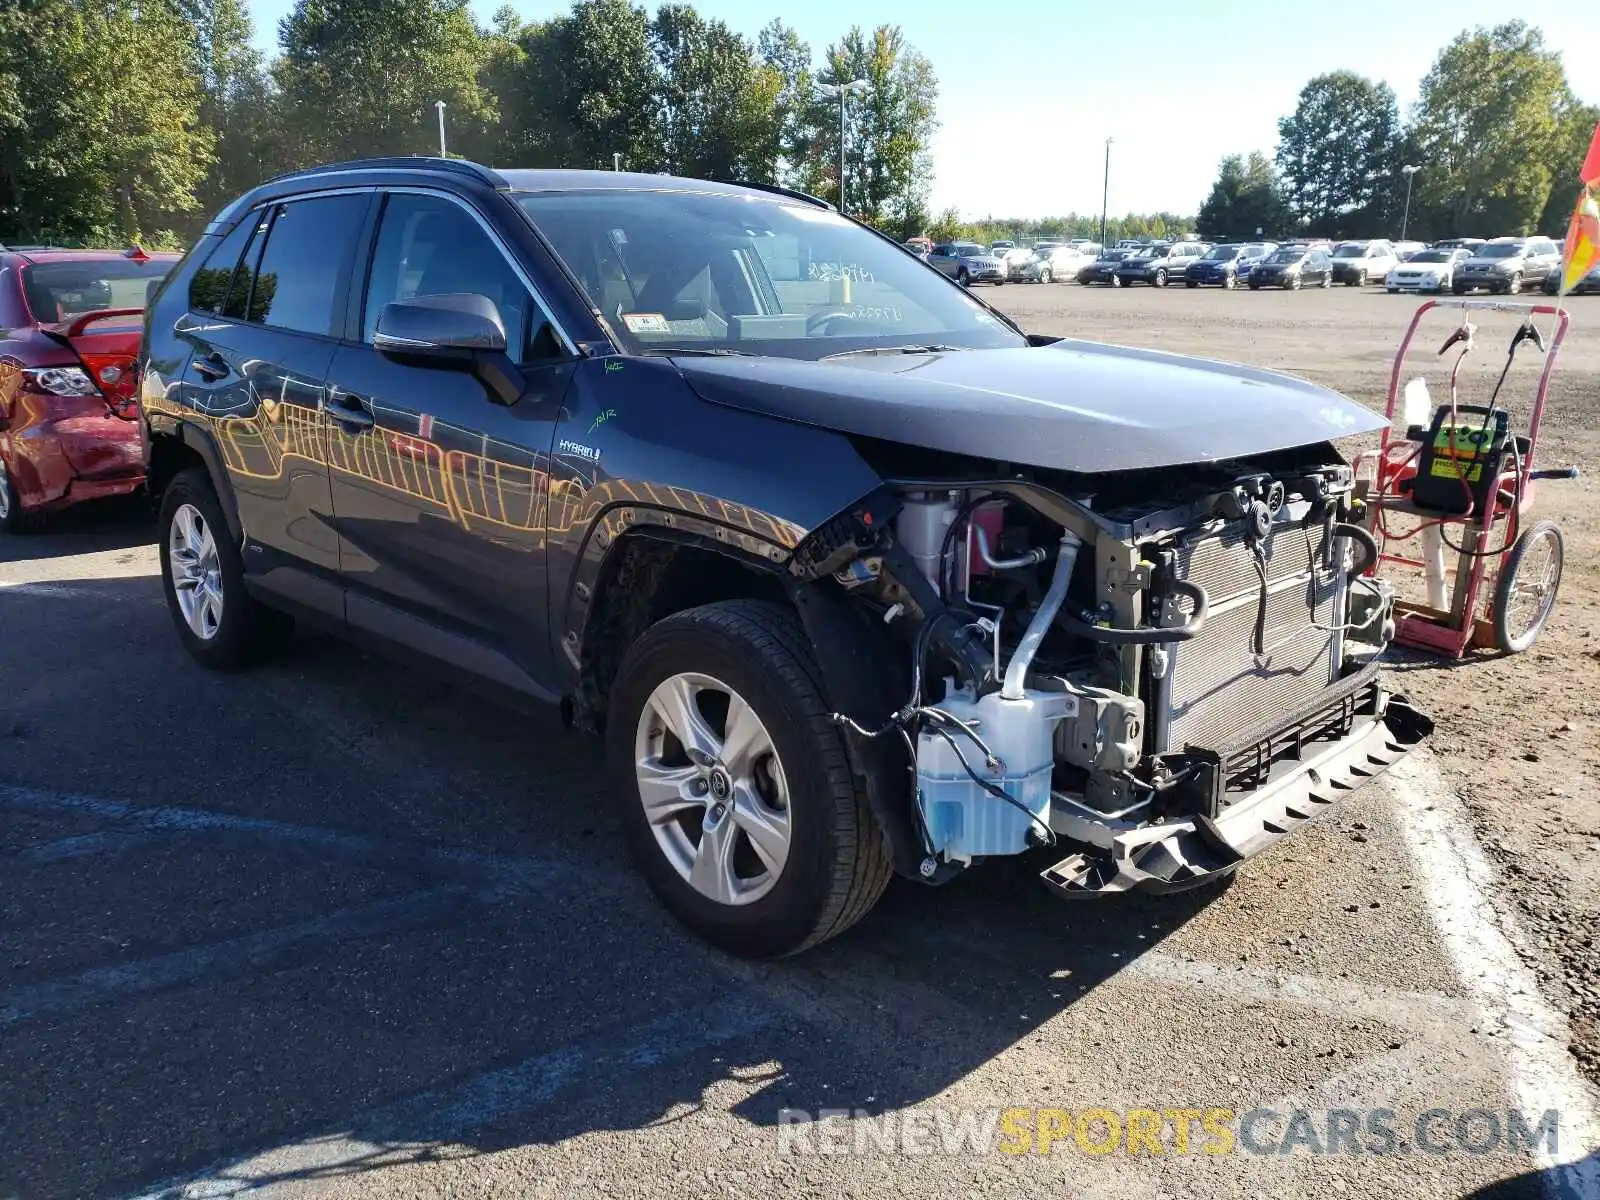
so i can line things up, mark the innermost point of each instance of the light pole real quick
(439, 104)
(1105, 195)
(1405, 216)
(841, 90)
(616, 160)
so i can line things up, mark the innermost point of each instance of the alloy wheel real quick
(713, 788)
(196, 571)
(5, 492)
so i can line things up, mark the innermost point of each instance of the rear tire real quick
(1514, 284)
(242, 630)
(1159, 279)
(1458, 289)
(14, 519)
(1044, 275)
(834, 865)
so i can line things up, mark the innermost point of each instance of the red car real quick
(70, 324)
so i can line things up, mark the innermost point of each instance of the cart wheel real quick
(1525, 592)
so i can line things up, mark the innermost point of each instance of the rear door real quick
(440, 490)
(260, 338)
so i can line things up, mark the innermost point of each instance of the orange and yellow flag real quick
(1582, 251)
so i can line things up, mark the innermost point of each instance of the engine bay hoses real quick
(1017, 670)
(1114, 636)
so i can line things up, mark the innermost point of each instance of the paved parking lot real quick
(331, 927)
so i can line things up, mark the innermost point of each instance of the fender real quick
(635, 446)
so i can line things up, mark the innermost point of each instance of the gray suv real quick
(967, 263)
(1507, 265)
(1158, 263)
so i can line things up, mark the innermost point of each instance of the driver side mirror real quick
(461, 330)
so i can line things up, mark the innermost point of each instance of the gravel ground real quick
(1519, 736)
(331, 928)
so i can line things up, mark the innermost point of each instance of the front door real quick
(439, 489)
(262, 311)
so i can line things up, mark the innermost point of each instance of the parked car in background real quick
(1506, 265)
(998, 249)
(70, 326)
(920, 246)
(1357, 263)
(1404, 250)
(1159, 264)
(1228, 264)
(1060, 262)
(1016, 262)
(1431, 269)
(1588, 284)
(1467, 243)
(1294, 267)
(967, 263)
(1103, 267)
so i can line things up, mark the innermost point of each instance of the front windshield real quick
(1501, 250)
(59, 291)
(1427, 256)
(970, 250)
(705, 271)
(1350, 250)
(1222, 254)
(1287, 256)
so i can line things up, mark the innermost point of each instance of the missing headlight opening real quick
(1158, 672)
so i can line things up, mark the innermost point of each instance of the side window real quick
(430, 246)
(237, 304)
(297, 283)
(208, 289)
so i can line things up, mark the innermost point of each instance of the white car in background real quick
(1428, 270)
(1059, 262)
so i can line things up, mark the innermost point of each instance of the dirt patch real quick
(1519, 735)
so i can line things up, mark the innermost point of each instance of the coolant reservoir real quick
(964, 820)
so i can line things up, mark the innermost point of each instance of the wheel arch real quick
(178, 448)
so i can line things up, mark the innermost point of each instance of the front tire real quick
(1294, 283)
(963, 278)
(202, 574)
(738, 800)
(1514, 284)
(1159, 279)
(1044, 275)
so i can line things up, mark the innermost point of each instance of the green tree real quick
(236, 102)
(360, 77)
(1337, 151)
(103, 140)
(717, 105)
(586, 90)
(782, 52)
(1246, 200)
(1577, 131)
(889, 126)
(1487, 130)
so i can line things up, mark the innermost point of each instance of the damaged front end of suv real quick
(1157, 666)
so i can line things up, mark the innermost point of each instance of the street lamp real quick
(1405, 216)
(616, 160)
(1105, 194)
(439, 104)
(841, 90)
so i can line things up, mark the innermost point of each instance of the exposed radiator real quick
(1216, 686)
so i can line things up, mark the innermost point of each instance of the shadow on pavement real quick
(338, 912)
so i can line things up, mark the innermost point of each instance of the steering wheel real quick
(816, 321)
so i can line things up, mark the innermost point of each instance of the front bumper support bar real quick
(1190, 851)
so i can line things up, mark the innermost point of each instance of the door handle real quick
(347, 410)
(211, 368)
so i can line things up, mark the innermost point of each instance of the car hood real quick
(1071, 406)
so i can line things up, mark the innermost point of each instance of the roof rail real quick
(416, 162)
(806, 197)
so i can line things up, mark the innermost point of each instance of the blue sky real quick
(1030, 89)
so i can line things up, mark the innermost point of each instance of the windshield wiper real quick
(929, 349)
(698, 351)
